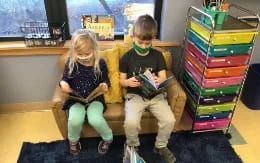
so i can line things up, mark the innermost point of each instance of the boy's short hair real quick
(145, 28)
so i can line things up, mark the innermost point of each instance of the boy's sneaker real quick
(166, 154)
(131, 155)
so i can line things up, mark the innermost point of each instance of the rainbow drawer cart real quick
(215, 62)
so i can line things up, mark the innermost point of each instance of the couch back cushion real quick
(112, 56)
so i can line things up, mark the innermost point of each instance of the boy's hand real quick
(132, 82)
(156, 79)
(103, 87)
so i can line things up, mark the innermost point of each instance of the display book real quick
(131, 12)
(148, 86)
(102, 25)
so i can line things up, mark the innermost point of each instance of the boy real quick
(137, 60)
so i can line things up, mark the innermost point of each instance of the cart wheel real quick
(228, 135)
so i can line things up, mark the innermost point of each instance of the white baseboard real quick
(24, 107)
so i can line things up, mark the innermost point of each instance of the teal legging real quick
(94, 113)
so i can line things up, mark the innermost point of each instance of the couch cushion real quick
(112, 56)
(114, 94)
(115, 112)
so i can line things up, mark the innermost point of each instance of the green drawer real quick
(210, 109)
(210, 91)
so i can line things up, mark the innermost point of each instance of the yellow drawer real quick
(223, 38)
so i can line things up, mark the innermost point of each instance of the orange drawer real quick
(225, 72)
(194, 60)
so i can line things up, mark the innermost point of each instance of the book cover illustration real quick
(148, 86)
(102, 25)
(131, 12)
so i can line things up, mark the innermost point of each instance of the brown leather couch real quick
(115, 107)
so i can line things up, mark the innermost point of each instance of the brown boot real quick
(75, 148)
(166, 154)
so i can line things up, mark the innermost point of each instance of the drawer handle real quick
(226, 72)
(234, 39)
(212, 125)
(221, 92)
(228, 62)
(223, 82)
(231, 51)
(218, 101)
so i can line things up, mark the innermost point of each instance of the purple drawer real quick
(218, 99)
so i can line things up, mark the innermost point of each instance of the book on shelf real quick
(131, 12)
(102, 25)
(148, 86)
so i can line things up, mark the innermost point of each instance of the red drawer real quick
(227, 61)
(215, 72)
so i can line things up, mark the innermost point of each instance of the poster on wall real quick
(102, 25)
(131, 12)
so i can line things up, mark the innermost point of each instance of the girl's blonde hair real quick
(81, 40)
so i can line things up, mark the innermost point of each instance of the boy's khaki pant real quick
(135, 105)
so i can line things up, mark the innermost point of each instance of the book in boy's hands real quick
(148, 86)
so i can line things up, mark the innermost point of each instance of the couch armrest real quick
(59, 114)
(176, 99)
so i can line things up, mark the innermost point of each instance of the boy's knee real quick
(131, 123)
(169, 119)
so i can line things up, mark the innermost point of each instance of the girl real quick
(85, 72)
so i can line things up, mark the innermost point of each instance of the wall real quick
(27, 78)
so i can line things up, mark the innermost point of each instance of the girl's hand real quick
(103, 87)
(65, 87)
(156, 79)
(132, 82)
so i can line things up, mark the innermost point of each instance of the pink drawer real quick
(227, 61)
(212, 124)
(215, 82)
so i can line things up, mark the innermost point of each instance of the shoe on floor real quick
(104, 146)
(75, 148)
(166, 154)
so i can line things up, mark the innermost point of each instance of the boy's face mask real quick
(85, 59)
(141, 50)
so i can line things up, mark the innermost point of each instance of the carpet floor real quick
(206, 147)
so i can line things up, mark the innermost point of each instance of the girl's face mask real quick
(85, 59)
(141, 50)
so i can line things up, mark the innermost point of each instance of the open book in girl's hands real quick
(148, 86)
(95, 93)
